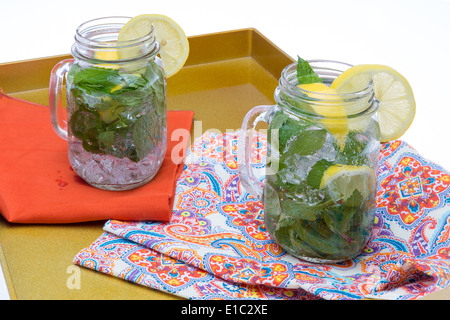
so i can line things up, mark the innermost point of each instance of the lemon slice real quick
(174, 45)
(342, 180)
(397, 106)
(335, 116)
(107, 55)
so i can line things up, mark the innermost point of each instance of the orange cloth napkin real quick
(38, 185)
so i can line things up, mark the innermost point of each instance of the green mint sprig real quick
(306, 74)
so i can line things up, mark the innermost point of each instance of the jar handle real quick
(55, 94)
(252, 184)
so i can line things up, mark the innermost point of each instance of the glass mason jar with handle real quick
(320, 184)
(116, 117)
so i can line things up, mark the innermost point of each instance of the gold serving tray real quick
(226, 74)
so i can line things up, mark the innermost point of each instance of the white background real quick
(412, 36)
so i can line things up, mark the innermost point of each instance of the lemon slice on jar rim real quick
(174, 45)
(397, 106)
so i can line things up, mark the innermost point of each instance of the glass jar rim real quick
(288, 85)
(85, 31)
(286, 80)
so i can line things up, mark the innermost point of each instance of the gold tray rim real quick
(31, 72)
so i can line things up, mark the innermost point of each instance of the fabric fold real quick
(217, 228)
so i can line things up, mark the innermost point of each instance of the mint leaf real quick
(287, 127)
(355, 200)
(106, 138)
(307, 142)
(300, 210)
(128, 82)
(315, 175)
(110, 81)
(156, 80)
(353, 151)
(94, 79)
(305, 74)
(142, 134)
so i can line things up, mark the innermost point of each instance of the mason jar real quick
(115, 121)
(320, 183)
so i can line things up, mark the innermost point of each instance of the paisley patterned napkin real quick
(216, 244)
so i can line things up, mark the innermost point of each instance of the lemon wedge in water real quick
(342, 180)
(335, 118)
